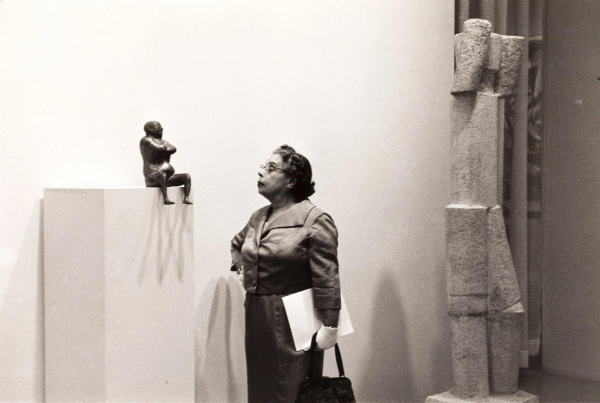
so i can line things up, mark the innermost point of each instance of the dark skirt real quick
(275, 368)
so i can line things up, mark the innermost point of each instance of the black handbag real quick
(317, 388)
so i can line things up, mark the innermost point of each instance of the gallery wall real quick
(360, 88)
(571, 270)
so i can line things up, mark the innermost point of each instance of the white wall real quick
(361, 88)
(571, 270)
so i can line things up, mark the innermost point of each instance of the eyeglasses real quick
(271, 168)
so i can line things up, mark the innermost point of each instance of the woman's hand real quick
(240, 271)
(327, 334)
(326, 337)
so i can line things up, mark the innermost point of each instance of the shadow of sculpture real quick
(389, 375)
(220, 368)
(174, 222)
(147, 247)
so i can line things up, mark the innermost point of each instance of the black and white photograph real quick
(300, 201)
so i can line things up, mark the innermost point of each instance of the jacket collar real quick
(292, 217)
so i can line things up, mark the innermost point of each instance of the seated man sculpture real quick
(158, 171)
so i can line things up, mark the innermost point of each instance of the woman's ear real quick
(291, 183)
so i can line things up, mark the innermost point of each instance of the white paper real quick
(303, 321)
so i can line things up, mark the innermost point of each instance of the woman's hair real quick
(297, 166)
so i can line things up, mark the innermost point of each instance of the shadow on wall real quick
(394, 371)
(388, 364)
(22, 318)
(158, 218)
(219, 323)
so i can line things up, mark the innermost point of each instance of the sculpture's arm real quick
(154, 144)
(170, 148)
(471, 49)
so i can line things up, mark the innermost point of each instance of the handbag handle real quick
(338, 359)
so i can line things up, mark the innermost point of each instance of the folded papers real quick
(303, 319)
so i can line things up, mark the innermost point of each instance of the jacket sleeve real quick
(322, 255)
(236, 245)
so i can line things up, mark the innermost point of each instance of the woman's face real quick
(271, 179)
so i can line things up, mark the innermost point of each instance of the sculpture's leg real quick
(469, 357)
(159, 179)
(186, 181)
(504, 333)
(467, 284)
(506, 315)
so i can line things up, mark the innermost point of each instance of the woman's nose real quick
(260, 172)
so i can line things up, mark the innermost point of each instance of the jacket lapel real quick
(294, 216)
(260, 219)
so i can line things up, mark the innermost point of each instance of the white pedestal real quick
(118, 288)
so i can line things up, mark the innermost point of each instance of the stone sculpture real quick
(158, 171)
(483, 294)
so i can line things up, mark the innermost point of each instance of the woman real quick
(286, 247)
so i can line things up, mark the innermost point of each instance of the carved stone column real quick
(484, 302)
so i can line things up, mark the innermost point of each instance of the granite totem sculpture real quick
(483, 294)
(158, 170)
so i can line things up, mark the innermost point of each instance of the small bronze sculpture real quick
(158, 171)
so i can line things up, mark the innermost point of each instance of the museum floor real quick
(553, 388)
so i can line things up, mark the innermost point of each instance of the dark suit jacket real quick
(295, 252)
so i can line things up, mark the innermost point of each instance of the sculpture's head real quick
(153, 129)
(286, 171)
(486, 62)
